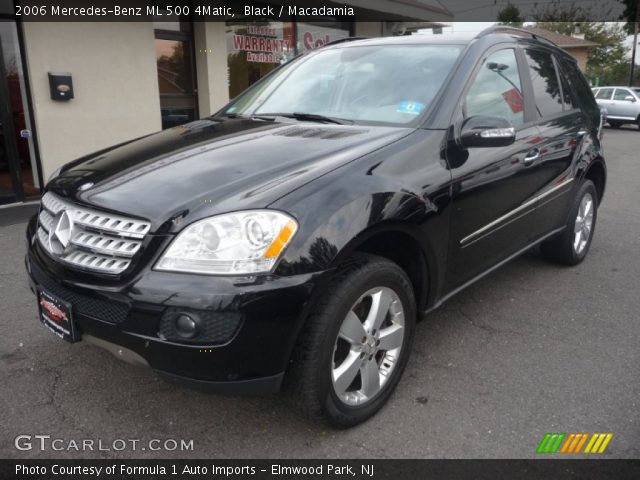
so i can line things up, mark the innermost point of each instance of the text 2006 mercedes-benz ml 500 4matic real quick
(290, 241)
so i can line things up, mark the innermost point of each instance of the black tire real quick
(613, 124)
(561, 249)
(308, 383)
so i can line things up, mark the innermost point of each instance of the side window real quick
(569, 91)
(546, 89)
(621, 94)
(580, 88)
(604, 94)
(497, 90)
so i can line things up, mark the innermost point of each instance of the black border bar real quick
(311, 10)
(559, 469)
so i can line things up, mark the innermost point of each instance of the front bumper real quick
(250, 356)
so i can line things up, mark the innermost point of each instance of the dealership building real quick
(71, 88)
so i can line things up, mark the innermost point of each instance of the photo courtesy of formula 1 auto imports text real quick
(319, 239)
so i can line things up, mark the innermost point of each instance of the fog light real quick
(186, 326)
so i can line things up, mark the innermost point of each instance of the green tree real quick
(605, 59)
(511, 16)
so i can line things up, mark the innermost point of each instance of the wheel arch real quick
(402, 245)
(597, 173)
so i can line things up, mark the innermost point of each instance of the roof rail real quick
(514, 31)
(343, 40)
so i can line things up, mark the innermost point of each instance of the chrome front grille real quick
(89, 239)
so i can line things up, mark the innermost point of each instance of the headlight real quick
(234, 243)
(55, 173)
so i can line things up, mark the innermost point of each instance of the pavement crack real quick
(482, 326)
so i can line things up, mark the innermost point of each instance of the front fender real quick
(402, 188)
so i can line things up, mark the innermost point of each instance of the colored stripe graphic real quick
(598, 443)
(550, 443)
(568, 442)
(573, 443)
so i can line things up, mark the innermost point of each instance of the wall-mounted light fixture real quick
(61, 86)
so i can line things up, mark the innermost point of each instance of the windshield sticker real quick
(413, 108)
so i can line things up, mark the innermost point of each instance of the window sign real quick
(313, 36)
(254, 49)
(270, 42)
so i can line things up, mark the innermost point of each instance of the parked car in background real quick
(622, 104)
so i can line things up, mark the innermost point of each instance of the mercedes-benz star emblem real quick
(60, 234)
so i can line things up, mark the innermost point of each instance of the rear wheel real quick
(572, 245)
(356, 344)
(614, 124)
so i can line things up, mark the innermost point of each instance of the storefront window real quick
(254, 49)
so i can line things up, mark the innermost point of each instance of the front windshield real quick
(389, 84)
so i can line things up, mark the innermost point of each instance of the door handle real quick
(531, 156)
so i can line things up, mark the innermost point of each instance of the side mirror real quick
(630, 98)
(485, 131)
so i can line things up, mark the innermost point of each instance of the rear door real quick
(562, 126)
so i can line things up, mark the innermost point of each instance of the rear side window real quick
(544, 78)
(621, 94)
(496, 90)
(567, 94)
(604, 94)
(580, 88)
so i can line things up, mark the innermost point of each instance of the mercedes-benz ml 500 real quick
(291, 240)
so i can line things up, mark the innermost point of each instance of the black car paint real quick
(345, 185)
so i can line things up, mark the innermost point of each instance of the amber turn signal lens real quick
(281, 240)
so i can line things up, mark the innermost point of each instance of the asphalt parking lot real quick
(533, 348)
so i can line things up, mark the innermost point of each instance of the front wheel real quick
(355, 345)
(572, 245)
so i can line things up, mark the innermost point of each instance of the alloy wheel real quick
(368, 346)
(583, 223)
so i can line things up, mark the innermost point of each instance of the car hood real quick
(212, 166)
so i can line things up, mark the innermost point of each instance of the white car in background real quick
(622, 104)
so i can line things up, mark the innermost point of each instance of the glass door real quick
(18, 168)
(176, 72)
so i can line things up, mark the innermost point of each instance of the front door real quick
(493, 195)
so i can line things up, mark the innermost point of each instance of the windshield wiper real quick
(312, 117)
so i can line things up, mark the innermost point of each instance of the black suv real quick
(292, 239)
